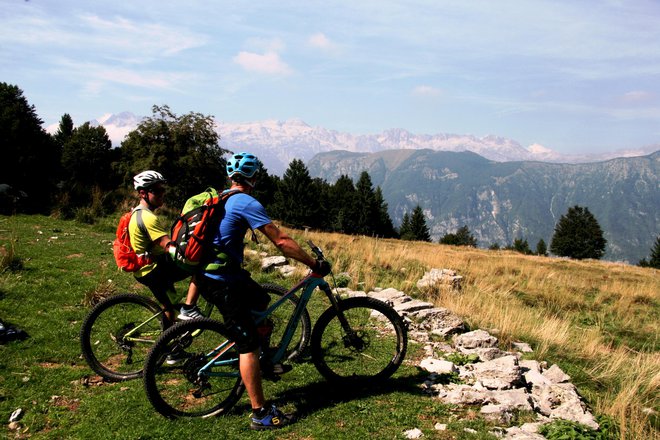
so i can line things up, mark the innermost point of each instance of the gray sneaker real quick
(186, 314)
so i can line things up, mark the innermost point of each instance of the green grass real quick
(45, 375)
(54, 268)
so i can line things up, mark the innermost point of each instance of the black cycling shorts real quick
(236, 299)
(161, 280)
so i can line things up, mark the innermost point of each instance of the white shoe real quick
(186, 314)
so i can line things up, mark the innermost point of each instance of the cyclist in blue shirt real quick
(233, 290)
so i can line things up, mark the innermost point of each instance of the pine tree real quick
(541, 248)
(297, 201)
(404, 230)
(341, 202)
(578, 235)
(654, 258)
(366, 211)
(265, 190)
(462, 237)
(64, 131)
(418, 229)
(384, 226)
(522, 246)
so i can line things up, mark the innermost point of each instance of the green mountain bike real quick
(119, 331)
(355, 341)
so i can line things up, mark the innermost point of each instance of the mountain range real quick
(500, 189)
(277, 143)
(503, 201)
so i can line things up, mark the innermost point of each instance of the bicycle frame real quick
(307, 285)
(129, 335)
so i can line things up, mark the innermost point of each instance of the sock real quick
(259, 412)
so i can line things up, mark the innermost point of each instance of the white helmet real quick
(147, 179)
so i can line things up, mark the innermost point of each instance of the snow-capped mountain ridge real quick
(278, 142)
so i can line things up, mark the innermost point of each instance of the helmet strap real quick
(145, 197)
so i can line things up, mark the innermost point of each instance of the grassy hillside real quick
(597, 320)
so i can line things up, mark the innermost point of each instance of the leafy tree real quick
(184, 149)
(296, 200)
(417, 229)
(462, 237)
(87, 168)
(654, 259)
(541, 248)
(578, 235)
(86, 157)
(494, 247)
(31, 157)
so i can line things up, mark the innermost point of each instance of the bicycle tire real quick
(102, 335)
(373, 352)
(281, 316)
(179, 391)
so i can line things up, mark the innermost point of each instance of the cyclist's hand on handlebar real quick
(321, 268)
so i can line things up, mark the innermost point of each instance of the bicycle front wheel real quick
(192, 371)
(366, 339)
(117, 334)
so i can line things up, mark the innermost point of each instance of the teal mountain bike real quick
(355, 341)
(119, 331)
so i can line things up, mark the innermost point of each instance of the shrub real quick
(9, 261)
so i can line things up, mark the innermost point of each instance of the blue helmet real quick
(245, 164)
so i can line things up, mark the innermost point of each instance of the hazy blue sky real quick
(576, 76)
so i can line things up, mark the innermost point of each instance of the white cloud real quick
(322, 42)
(426, 91)
(636, 96)
(95, 76)
(147, 39)
(268, 63)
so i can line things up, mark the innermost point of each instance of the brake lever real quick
(317, 251)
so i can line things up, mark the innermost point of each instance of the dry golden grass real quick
(598, 318)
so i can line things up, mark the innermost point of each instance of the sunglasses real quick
(156, 191)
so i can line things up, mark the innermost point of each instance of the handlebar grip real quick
(316, 250)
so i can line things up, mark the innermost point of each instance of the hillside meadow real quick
(597, 320)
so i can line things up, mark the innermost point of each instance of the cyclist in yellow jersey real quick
(160, 275)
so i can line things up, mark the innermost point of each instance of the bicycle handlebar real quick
(316, 250)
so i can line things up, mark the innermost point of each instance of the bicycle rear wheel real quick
(182, 390)
(372, 347)
(117, 334)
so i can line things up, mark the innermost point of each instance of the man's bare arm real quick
(287, 245)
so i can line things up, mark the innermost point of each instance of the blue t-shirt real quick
(242, 212)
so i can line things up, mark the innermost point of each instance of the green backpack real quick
(193, 231)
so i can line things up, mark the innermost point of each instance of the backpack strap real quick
(229, 193)
(141, 226)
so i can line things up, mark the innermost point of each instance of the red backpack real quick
(194, 229)
(125, 257)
